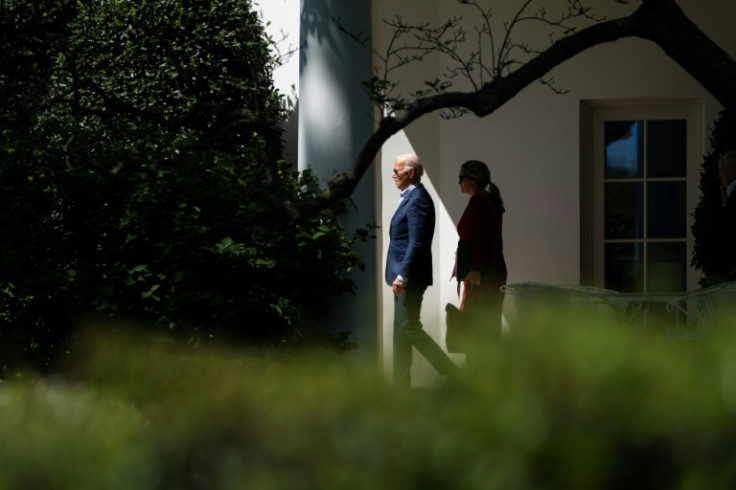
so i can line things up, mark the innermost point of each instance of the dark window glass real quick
(667, 148)
(625, 266)
(624, 210)
(624, 149)
(666, 210)
(666, 267)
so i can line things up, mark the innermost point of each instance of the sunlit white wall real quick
(532, 144)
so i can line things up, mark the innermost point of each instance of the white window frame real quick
(593, 113)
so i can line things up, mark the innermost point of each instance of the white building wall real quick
(532, 144)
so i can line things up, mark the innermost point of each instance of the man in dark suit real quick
(727, 176)
(409, 270)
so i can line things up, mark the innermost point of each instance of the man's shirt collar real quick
(406, 191)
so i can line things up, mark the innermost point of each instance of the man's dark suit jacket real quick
(410, 246)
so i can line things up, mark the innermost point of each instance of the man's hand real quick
(398, 287)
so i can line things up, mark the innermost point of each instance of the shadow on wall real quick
(323, 21)
(317, 22)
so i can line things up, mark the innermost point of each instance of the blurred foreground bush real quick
(566, 406)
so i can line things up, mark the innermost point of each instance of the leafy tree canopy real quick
(142, 180)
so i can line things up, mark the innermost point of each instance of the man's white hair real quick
(412, 161)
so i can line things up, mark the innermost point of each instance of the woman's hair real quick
(479, 171)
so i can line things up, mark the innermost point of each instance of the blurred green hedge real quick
(582, 405)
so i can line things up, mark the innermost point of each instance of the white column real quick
(334, 123)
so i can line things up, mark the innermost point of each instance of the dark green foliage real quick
(148, 186)
(558, 405)
(707, 227)
(31, 34)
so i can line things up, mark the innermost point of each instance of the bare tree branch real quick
(654, 20)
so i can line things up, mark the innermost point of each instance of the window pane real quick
(667, 210)
(624, 210)
(624, 266)
(667, 148)
(624, 149)
(666, 267)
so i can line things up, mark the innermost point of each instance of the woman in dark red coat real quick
(480, 262)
